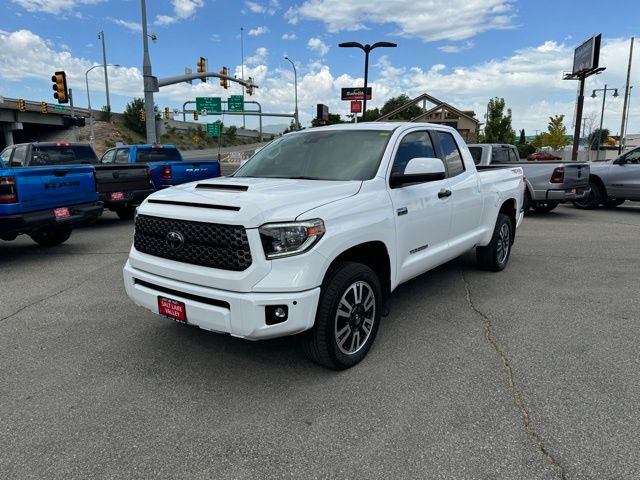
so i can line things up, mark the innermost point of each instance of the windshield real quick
(63, 155)
(320, 155)
(149, 155)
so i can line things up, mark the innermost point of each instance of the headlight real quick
(286, 239)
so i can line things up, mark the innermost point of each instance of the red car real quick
(543, 156)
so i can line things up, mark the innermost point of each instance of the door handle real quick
(444, 193)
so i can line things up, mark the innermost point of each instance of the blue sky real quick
(461, 51)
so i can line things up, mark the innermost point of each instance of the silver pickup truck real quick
(613, 181)
(548, 182)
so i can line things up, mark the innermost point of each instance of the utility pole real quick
(106, 75)
(150, 82)
(626, 99)
(74, 131)
(242, 67)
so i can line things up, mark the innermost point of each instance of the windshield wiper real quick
(301, 177)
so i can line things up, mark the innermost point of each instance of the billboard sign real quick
(356, 106)
(322, 113)
(587, 56)
(355, 93)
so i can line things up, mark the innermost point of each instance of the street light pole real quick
(104, 65)
(366, 49)
(295, 79)
(604, 96)
(86, 79)
(148, 80)
(244, 125)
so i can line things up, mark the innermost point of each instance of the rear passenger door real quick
(466, 196)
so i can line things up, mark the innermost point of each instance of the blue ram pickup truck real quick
(44, 202)
(167, 166)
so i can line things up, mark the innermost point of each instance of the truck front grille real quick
(199, 243)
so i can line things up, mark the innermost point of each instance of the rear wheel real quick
(53, 237)
(347, 318)
(611, 202)
(544, 206)
(126, 213)
(495, 256)
(592, 200)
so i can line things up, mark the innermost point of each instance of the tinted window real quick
(476, 154)
(513, 155)
(122, 155)
(63, 155)
(450, 153)
(19, 156)
(145, 155)
(320, 154)
(499, 155)
(633, 156)
(5, 155)
(108, 157)
(413, 145)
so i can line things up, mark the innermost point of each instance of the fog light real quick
(276, 314)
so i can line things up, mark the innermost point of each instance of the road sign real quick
(355, 93)
(235, 103)
(356, 106)
(210, 104)
(213, 129)
(59, 107)
(196, 138)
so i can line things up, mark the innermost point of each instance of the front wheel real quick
(53, 237)
(544, 206)
(347, 318)
(494, 257)
(592, 200)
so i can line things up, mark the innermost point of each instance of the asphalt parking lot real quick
(532, 373)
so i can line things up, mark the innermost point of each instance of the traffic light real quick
(167, 115)
(60, 91)
(195, 115)
(202, 67)
(223, 81)
(43, 107)
(22, 105)
(143, 116)
(249, 87)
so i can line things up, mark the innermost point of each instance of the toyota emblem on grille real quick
(174, 240)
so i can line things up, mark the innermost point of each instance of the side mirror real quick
(419, 170)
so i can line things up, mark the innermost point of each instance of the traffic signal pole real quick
(150, 85)
(74, 131)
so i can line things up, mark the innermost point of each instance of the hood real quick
(246, 201)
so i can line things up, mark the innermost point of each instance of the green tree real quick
(231, 133)
(556, 134)
(523, 138)
(372, 114)
(396, 102)
(603, 135)
(498, 128)
(333, 119)
(525, 149)
(132, 116)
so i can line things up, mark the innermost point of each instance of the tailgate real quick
(192, 170)
(40, 188)
(576, 175)
(122, 178)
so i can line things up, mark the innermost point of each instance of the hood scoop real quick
(194, 204)
(222, 187)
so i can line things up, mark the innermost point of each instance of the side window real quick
(499, 155)
(19, 156)
(6, 155)
(122, 155)
(413, 145)
(633, 156)
(450, 153)
(108, 157)
(513, 155)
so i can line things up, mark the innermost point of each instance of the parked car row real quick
(46, 188)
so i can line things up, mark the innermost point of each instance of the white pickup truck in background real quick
(315, 232)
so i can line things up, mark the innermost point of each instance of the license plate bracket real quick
(172, 309)
(117, 196)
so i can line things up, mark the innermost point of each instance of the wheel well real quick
(372, 254)
(598, 181)
(509, 209)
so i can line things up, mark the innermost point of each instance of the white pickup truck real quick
(315, 232)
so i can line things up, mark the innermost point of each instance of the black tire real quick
(591, 201)
(544, 206)
(493, 257)
(526, 202)
(126, 213)
(53, 237)
(321, 344)
(611, 202)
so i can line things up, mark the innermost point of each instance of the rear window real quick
(63, 155)
(158, 155)
(476, 153)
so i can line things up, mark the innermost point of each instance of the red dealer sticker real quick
(61, 212)
(172, 309)
(116, 195)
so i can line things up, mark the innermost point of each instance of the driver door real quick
(422, 216)
(624, 176)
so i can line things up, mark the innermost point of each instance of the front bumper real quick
(134, 197)
(567, 195)
(238, 314)
(45, 219)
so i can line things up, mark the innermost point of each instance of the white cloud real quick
(254, 32)
(429, 20)
(54, 7)
(289, 36)
(318, 46)
(269, 7)
(456, 48)
(133, 26)
(165, 20)
(182, 9)
(258, 58)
